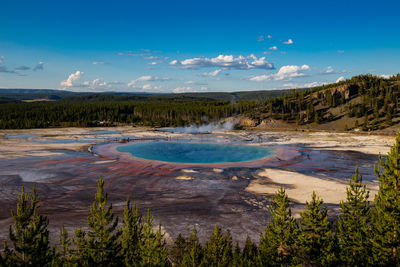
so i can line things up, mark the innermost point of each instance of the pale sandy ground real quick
(299, 187)
(365, 143)
(20, 147)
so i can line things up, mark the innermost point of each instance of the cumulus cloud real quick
(99, 63)
(153, 63)
(72, 80)
(183, 89)
(285, 73)
(303, 85)
(147, 78)
(39, 66)
(224, 61)
(289, 42)
(191, 89)
(340, 79)
(274, 48)
(385, 76)
(330, 70)
(212, 74)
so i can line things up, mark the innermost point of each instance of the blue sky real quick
(189, 46)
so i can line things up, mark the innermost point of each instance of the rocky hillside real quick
(362, 103)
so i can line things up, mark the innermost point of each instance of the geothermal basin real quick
(184, 180)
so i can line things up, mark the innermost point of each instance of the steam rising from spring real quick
(205, 128)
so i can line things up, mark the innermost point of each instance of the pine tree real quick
(132, 235)
(194, 252)
(29, 236)
(6, 256)
(249, 254)
(100, 246)
(237, 259)
(386, 217)
(218, 250)
(315, 244)
(63, 252)
(354, 224)
(153, 247)
(80, 255)
(178, 250)
(276, 244)
(388, 118)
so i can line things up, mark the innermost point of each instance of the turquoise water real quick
(179, 152)
(25, 136)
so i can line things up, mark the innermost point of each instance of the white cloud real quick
(73, 79)
(340, 79)
(97, 83)
(340, 51)
(312, 84)
(274, 48)
(39, 66)
(303, 85)
(153, 63)
(269, 36)
(330, 70)
(180, 90)
(99, 63)
(147, 78)
(385, 76)
(285, 73)
(224, 61)
(147, 87)
(1, 59)
(289, 42)
(212, 74)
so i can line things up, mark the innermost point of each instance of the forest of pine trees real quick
(364, 234)
(372, 99)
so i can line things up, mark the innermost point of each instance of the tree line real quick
(83, 114)
(362, 235)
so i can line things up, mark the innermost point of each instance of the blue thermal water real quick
(179, 152)
(25, 136)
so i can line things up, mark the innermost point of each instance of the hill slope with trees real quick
(364, 102)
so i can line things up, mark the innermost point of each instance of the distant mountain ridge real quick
(29, 94)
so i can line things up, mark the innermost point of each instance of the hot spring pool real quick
(203, 153)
